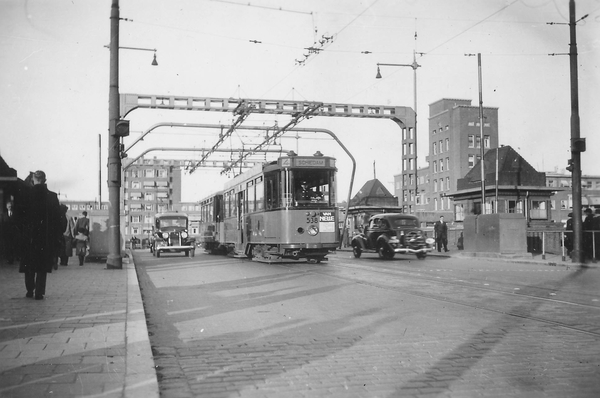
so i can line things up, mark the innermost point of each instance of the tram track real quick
(560, 313)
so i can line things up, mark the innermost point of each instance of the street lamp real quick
(154, 63)
(414, 67)
(481, 142)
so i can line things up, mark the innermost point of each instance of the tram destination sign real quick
(306, 162)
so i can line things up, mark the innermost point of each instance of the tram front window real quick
(311, 188)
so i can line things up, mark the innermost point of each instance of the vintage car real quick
(391, 233)
(171, 235)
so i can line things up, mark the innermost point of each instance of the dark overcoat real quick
(44, 228)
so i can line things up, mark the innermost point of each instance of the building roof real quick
(374, 193)
(513, 170)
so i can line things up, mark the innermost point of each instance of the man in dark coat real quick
(441, 234)
(43, 233)
(588, 225)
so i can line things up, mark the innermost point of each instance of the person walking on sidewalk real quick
(43, 236)
(81, 245)
(83, 222)
(68, 238)
(441, 234)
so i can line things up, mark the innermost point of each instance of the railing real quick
(553, 242)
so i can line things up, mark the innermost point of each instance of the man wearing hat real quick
(43, 236)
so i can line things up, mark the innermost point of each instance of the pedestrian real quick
(68, 238)
(81, 240)
(43, 234)
(83, 223)
(569, 234)
(441, 235)
(596, 232)
(588, 226)
(8, 229)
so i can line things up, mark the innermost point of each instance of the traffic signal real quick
(570, 165)
(121, 128)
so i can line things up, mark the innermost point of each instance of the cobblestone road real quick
(227, 328)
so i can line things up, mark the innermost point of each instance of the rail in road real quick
(368, 327)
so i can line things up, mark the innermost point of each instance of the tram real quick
(281, 210)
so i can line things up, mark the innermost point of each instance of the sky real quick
(54, 74)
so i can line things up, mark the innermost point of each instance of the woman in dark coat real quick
(43, 235)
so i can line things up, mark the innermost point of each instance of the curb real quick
(140, 376)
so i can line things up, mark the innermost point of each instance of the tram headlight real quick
(313, 230)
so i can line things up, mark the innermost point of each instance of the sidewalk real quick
(87, 338)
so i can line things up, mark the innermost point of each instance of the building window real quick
(471, 141)
(434, 131)
(135, 173)
(411, 149)
(435, 187)
(447, 163)
(135, 185)
(515, 206)
(448, 184)
(447, 127)
(478, 141)
(441, 185)
(435, 204)
(471, 123)
(550, 183)
(486, 141)
(538, 210)
(435, 148)
(149, 207)
(136, 219)
(161, 173)
(149, 173)
(149, 196)
(441, 146)
(441, 165)
(435, 169)
(553, 205)
(135, 230)
(459, 212)
(471, 161)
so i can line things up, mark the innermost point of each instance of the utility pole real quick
(114, 260)
(481, 135)
(577, 143)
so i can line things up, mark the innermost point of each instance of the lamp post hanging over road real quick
(414, 66)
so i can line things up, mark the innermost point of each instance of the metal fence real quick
(554, 242)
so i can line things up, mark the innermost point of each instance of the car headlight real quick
(184, 235)
(165, 235)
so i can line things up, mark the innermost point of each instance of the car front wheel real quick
(356, 250)
(385, 252)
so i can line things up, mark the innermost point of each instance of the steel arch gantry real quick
(404, 117)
